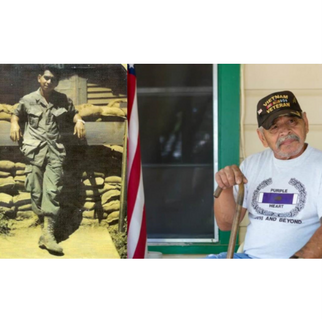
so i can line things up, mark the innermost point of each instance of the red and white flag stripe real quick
(136, 235)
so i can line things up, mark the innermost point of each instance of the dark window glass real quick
(176, 131)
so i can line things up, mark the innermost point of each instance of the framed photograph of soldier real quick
(63, 160)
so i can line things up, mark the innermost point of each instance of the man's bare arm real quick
(15, 131)
(225, 205)
(79, 128)
(313, 248)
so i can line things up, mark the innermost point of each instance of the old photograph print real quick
(90, 190)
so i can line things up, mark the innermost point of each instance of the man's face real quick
(286, 137)
(47, 82)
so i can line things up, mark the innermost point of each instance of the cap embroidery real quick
(278, 105)
(274, 104)
(273, 98)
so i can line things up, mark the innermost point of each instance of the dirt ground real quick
(18, 241)
(85, 243)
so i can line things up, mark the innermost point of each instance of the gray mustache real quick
(287, 137)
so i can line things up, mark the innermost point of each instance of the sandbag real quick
(20, 186)
(22, 199)
(107, 196)
(20, 178)
(112, 111)
(89, 205)
(6, 200)
(116, 185)
(8, 108)
(5, 116)
(117, 102)
(24, 207)
(94, 182)
(8, 212)
(95, 193)
(12, 108)
(112, 206)
(106, 188)
(113, 217)
(4, 108)
(88, 110)
(20, 166)
(90, 193)
(7, 184)
(94, 198)
(7, 166)
(20, 182)
(113, 179)
(4, 174)
(88, 214)
(95, 174)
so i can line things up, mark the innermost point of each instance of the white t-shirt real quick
(284, 202)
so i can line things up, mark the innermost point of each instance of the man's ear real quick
(262, 137)
(39, 76)
(306, 122)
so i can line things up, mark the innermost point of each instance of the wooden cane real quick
(234, 228)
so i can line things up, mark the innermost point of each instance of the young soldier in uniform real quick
(45, 115)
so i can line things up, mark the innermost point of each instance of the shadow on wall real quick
(91, 190)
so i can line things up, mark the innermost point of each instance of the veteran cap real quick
(275, 105)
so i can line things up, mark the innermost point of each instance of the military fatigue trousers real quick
(45, 184)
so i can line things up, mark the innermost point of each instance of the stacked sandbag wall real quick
(101, 184)
(95, 191)
(6, 112)
(116, 109)
(15, 202)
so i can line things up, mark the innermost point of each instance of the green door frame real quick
(228, 146)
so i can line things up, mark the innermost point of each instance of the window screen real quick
(176, 116)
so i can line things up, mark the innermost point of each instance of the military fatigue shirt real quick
(44, 124)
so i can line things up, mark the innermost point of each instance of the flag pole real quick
(137, 235)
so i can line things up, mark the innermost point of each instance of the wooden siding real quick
(98, 95)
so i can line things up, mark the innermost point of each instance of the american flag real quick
(136, 237)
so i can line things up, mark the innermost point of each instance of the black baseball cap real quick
(277, 104)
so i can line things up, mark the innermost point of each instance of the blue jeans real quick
(224, 255)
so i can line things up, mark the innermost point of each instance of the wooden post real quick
(123, 197)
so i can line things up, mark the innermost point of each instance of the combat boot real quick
(42, 238)
(41, 224)
(47, 240)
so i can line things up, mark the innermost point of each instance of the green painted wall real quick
(228, 145)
